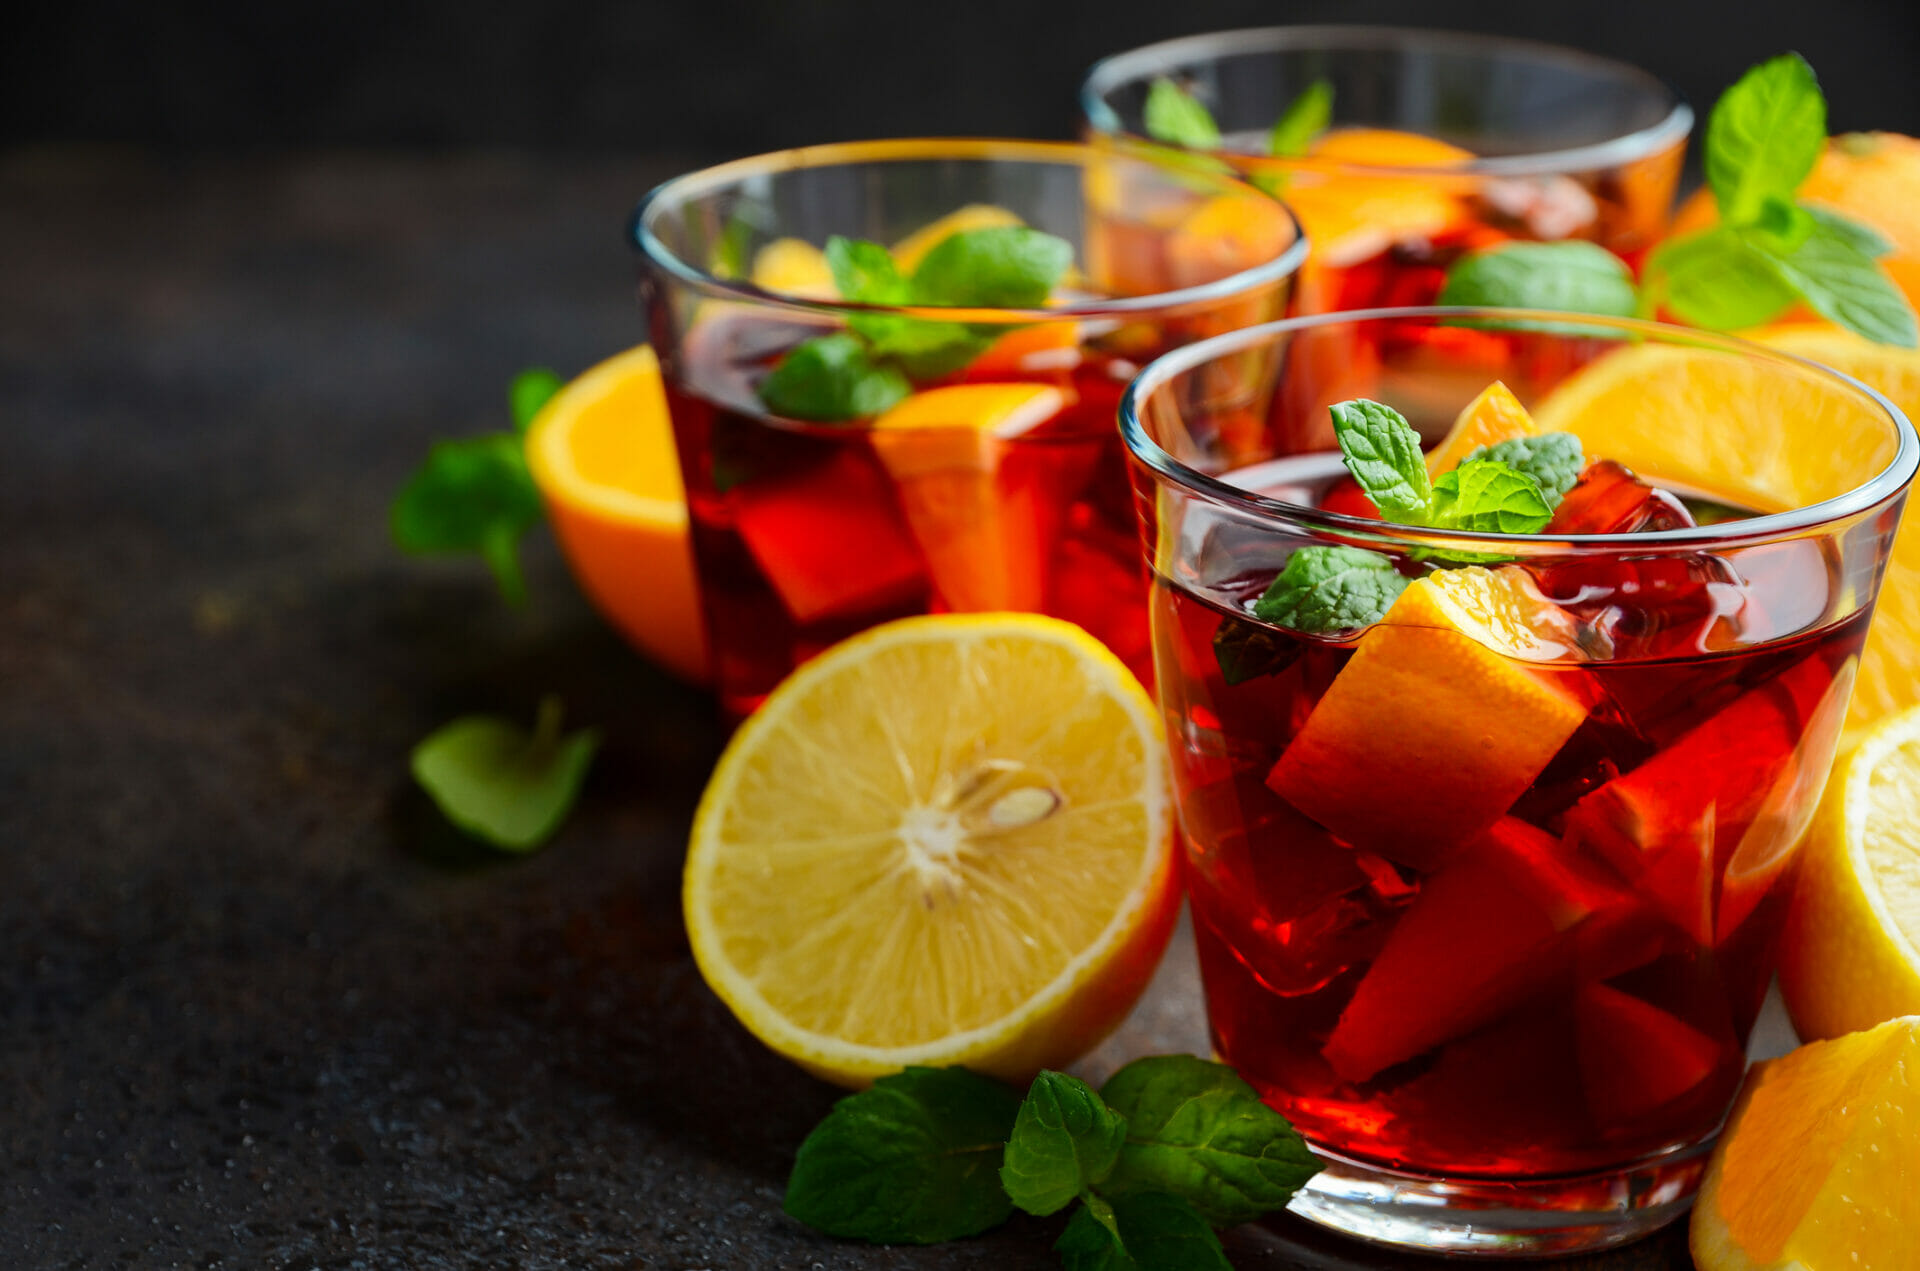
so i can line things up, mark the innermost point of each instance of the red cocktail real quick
(893, 370)
(1492, 806)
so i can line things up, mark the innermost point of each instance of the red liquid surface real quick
(1570, 990)
(807, 533)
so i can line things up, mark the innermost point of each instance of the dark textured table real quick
(259, 1005)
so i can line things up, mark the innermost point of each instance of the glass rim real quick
(1142, 62)
(1766, 527)
(966, 149)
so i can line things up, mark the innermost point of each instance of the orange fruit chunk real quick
(1496, 415)
(601, 451)
(1490, 928)
(947, 840)
(1438, 706)
(974, 501)
(1224, 235)
(1636, 1058)
(794, 267)
(1819, 1166)
(1352, 216)
(1386, 148)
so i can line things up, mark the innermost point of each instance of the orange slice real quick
(601, 451)
(1353, 216)
(979, 515)
(1819, 1166)
(1437, 724)
(947, 840)
(1224, 235)
(1496, 415)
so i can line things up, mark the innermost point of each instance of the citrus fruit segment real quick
(1496, 415)
(1852, 948)
(1437, 707)
(947, 840)
(1636, 1058)
(1387, 148)
(975, 509)
(794, 267)
(601, 451)
(1224, 235)
(1819, 1166)
(1889, 678)
(911, 250)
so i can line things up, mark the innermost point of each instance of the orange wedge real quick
(1437, 724)
(1819, 1166)
(601, 451)
(979, 515)
(1224, 235)
(1496, 415)
(1352, 216)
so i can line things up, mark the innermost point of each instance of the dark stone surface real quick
(259, 1005)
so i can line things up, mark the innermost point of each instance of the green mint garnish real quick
(498, 782)
(1574, 277)
(1000, 267)
(1064, 1141)
(913, 1160)
(1197, 1131)
(1382, 451)
(1552, 459)
(471, 495)
(1150, 1231)
(831, 378)
(1323, 590)
(1246, 650)
(1175, 116)
(530, 390)
(870, 366)
(1304, 119)
(1488, 497)
(1764, 136)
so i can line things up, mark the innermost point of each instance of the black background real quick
(707, 78)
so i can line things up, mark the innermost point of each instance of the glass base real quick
(1491, 1218)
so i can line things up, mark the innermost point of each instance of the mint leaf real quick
(1325, 589)
(1175, 116)
(1163, 1232)
(1864, 237)
(912, 1160)
(530, 390)
(1764, 136)
(1304, 119)
(1064, 1141)
(1553, 459)
(1197, 1131)
(1844, 283)
(831, 378)
(865, 272)
(1488, 497)
(1246, 650)
(1717, 278)
(924, 348)
(494, 780)
(999, 267)
(1575, 277)
(472, 495)
(1382, 451)
(1091, 1240)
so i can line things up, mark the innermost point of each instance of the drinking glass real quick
(1441, 143)
(990, 476)
(1487, 893)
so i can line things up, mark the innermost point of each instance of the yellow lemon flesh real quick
(947, 840)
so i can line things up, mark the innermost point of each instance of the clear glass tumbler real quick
(1440, 143)
(1487, 879)
(929, 443)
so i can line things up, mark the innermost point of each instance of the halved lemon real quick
(601, 451)
(947, 840)
(1819, 1166)
(1851, 957)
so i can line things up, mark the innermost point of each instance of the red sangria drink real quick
(1495, 726)
(1402, 151)
(894, 367)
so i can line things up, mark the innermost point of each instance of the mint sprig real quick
(873, 364)
(1484, 495)
(913, 1160)
(501, 783)
(1553, 459)
(1324, 589)
(1301, 123)
(1167, 1149)
(1487, 496)
(1175, 116)
(1571, 277)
